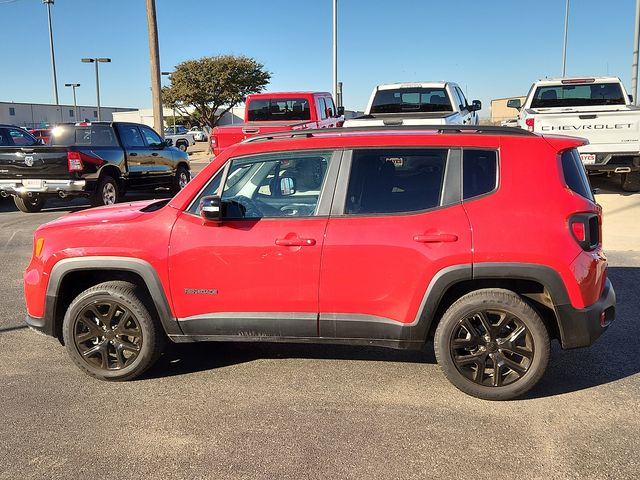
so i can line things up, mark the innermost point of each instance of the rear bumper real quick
(49, 186)
(40, 324)
(580, 327)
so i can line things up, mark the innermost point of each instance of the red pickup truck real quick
(278, 112)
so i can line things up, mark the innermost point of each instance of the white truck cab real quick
(596, 108)
(423, 103)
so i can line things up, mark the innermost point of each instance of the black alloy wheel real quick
(492, 344)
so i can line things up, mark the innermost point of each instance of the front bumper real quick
(52, 186)
(580, 327)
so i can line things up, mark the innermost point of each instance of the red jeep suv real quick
(485, 239)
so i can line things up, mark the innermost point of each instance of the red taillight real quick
(579, 232)
(530, 122)
(74, 160)
(214, 141)
(574, 81)
(585, 228)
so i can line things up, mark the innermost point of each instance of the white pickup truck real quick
(425, 103)
(597, 109)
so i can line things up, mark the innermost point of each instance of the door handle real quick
(133, 154)
(436, 238)
(296, 242)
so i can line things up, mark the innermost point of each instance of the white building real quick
(145, 115)
(40, 115)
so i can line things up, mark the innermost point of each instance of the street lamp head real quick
(166, 73)
(71, 84)
(103, 60)
(88, 60)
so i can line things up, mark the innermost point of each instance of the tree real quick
(210, 84)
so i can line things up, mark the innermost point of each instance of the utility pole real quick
(335, 50)
(75, 104)
(154, 57)
(566, 29)
(634, 65)
(48, 3)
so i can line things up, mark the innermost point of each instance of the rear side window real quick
(575, 175)
(90, 135)
(395, 180)
(479, 172)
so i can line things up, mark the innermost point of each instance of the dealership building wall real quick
(39, 115)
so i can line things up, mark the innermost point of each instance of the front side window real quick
(321, 106)
(578, 95)
(330, 106)
(152, 138)
(401, 100)
(273, 185)
(479, 172)
(278, 109)
(21, 138)
(130, 136)
(463, 101)
(395, 180)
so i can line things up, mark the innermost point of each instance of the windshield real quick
(278, 109)
(578, 95)
(411, 100)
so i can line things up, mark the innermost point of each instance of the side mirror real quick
(630, 98)
(287, 186)
(514, 103)
(340, 111)
(168, 142)
(211, 209)
(476, 105)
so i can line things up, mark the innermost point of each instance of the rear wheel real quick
(107, 192)
(630, 181)
(491, 344)
(29, 204)
(109, 333)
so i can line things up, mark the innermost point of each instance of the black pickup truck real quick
(99, 160)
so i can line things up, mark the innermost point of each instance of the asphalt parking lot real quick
(282, 411)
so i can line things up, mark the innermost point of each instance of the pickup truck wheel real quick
(631, 182)
(182, 146)
(491, 344)
(181, 179)
(29, 204)
(107, 192)
(109, 333)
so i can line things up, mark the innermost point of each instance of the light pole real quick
(48, 3)
(564, 49)
(634, 64)
(75, 104)
(335, 50)
(97, 61)
(168, 74)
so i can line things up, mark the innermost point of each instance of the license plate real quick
(588, 158)
(32, 183)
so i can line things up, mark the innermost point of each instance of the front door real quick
(256, 273)
(399, 223)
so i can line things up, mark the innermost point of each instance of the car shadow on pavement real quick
(614, 356)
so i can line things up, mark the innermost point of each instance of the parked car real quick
(181, 141)
(424, 103)
(97, 160)
(595, 108)
(361, 237)
(199, 134)
(43, 134)
(176, 130)
(279, 112)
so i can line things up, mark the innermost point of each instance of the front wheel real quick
(107, 192)
(182, 146)
(29, 204)
(491, 344)
(630, 181)
(180, 179)
(109, 333)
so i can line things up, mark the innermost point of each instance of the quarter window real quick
(479, 172)
(393, 180)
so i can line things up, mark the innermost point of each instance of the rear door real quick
(396, 221)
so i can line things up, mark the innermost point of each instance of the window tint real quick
(577, 95)
(211, 189)
(153, 139)
(130, 136)
(90, 135)
(479, 172)
(392, 180)
(275, 185)
(575, 175)
(331, 106)
(321, 107)
(21, 138)
(411, 100)
(278, 109)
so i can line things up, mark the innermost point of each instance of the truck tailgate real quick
(393, 119)
(618, 130)
(230, 135)
(34, 162)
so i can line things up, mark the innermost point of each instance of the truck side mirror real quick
(211, 209)
(340, 111)
(514, 103)
(476, 105)
(630, 98)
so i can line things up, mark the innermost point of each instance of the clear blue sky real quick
(492, 48)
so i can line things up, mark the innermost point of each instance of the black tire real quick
(630, 181)
(515, 345)
(107, 192)
(29, 204)
(180, 179)
(109, 333)
(182, 146)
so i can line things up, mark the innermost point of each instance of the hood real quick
(118, 213)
